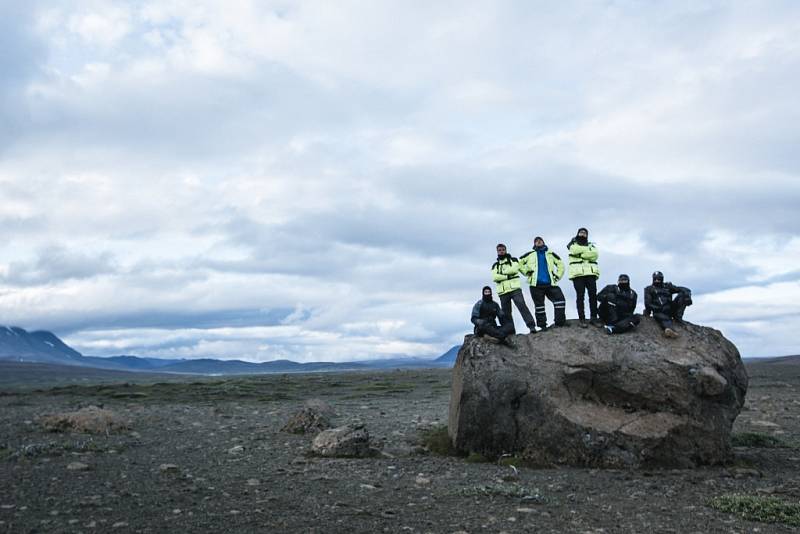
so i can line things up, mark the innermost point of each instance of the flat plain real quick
(208, 455)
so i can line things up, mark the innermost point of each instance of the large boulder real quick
(581, 397)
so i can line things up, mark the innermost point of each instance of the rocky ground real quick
(209, 456)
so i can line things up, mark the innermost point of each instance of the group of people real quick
(613, 308)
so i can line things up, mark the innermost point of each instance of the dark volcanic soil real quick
(232, 469)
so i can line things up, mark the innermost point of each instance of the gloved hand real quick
(646, 313)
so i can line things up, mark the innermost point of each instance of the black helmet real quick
(658, 275)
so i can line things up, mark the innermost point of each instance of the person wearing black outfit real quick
(485, 314)
(617, 306)
(658, 301)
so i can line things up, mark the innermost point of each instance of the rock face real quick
(580, 397)
(344, 441)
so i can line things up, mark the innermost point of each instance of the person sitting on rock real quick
(505, 273)
(584, 272)
(658, 301)
(485, 314)
(544, 269)
(617, 304)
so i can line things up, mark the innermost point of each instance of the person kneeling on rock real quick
(617, 306)
(485, 315)
(658, 301)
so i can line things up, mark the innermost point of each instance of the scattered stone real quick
(743, 472)
(307, 420)
(345, 441)
(119, 524)
(92, 420)
(253, 482)
(422, 480)
(320, 406)
(168, 468)
(578, 397)
(367, 486)
(238, 449)
(77, 466)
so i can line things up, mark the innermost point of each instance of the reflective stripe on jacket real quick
(505, 273)
(583, 260)
(529, 266)
(621, 303)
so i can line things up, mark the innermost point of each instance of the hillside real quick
(19, 345)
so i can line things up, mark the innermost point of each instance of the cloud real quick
(55, 263)
(264, 180)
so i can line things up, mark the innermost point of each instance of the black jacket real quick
(658, 299)
(621, 303)
(484, 312)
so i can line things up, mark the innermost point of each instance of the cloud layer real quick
(321, 181)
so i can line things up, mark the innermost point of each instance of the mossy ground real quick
(757, 439)
(765, 509)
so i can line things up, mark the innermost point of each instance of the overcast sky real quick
(328, 180)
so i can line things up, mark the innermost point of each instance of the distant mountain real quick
(449, 357)
(140, 362)
(16, 344)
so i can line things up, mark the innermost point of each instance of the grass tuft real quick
(758, 508)
(437, 440)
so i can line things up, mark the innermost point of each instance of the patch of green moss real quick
(758, 508)
(477, 458)
(437, 440)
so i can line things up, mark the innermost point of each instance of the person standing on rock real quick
(584, 272)
(505, 273)
(485, 314)
(544, 269)
(617, 304)
(658, 301)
